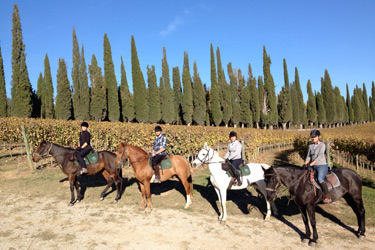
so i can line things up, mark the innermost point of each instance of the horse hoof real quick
(71, 204)
(223, 222)
(115, 201)
(361, 237)
(312, 243)
(305, 240)
(141, 209)
(101, 198)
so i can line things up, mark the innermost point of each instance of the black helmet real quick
(84, 124)
(314, 133)
(231, 134)
(158, 128)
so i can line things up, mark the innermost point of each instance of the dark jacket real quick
(85, 136)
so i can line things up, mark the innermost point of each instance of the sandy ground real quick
(48, 223)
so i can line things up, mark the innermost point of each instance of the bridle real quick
(44, 154)
(206, 159)
(126, 156)
(278, 184)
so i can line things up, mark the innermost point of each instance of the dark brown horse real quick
(143, 172)
(296, 179)
(107, 162)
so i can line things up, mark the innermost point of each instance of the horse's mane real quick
(290, 167)
(57, 145)
(138, 149)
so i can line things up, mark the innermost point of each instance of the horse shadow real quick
(98, 180)
(243, 199)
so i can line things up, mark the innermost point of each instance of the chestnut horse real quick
(143, 172)
(106, 160)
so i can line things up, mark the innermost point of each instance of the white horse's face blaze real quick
(203, 156)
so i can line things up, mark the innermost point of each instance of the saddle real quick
(164, 164)
(331, 179)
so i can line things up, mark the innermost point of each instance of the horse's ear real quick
(205, 145)
(43, 141)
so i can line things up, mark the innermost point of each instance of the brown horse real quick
(143, 172)
(107, 162)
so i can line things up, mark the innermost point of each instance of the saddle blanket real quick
(165, 163)
(90, 158)
(332, 181)
(245, 171)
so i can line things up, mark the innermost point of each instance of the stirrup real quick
(326, 200)
(83, 171)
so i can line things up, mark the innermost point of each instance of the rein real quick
(126, 156)
(207, 161)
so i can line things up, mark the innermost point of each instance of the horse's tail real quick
(190, 181)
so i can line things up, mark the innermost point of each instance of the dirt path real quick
(39, 223)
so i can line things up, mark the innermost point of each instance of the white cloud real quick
(172, 26)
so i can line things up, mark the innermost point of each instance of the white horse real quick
(220, 179)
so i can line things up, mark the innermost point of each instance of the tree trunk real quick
(284, 125)
(257, 125)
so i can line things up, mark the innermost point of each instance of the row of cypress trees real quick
(250, 103)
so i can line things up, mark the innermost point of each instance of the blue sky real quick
(313, 36)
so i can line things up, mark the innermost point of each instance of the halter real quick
(278, 184)
(122, 162)
(45, 154)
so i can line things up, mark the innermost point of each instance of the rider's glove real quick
(78, 149)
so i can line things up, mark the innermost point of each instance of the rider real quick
(158, 151)
(317, 160)
(234, 155)
(84, 146)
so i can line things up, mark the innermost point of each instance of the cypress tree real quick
(187, 98)
(167, 109)
(365, 102)
(254, 97)
(320, 110)
(64, 93)
(372, 103)
(236, 107)
(269, 90)
(300, 104)
(217, 114)
(3, 95)
(177, 94)
(311, 106)
(126, 97)
(220, 78)
(349, 106)
(154, 96)
(262, 104)
(21, 91)
(47, 100)
(98, 102)
(40, 91)
(358, 105)
(139, 87)
(208, 106)
(84, 95)
(110, 83)
(227, 103)
(284, 100)
(199, 98)
(75, 77)
(345, 110)
(328, 99)
(294, 98)
(246, 116)
(340, 116)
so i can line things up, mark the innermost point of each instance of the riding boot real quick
(325, 191)
(157, 174)
(237, 174)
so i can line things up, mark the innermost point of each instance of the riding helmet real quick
(314, 133)
(158, 128)
(84, 124)
(231, 134)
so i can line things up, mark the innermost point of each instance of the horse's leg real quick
(109, 184)
(305, 238)
(148, 196)
(186, 185)
(311, 211)
(72, 178)
(359, 210)
(118, 186)
(262, 188)
(142, 186)
(221, 206)
(79, 195)
(222, 193)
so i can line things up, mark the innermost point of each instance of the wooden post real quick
(27, 147)
(328, 150)
(243, 150)
(356, 162)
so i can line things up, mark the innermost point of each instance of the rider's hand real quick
(78, 149)
(304, 166)
(309, 167)
(153, 154)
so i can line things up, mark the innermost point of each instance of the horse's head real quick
(43, 150)
(204, 156)
(121, 152)
(272, 180)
